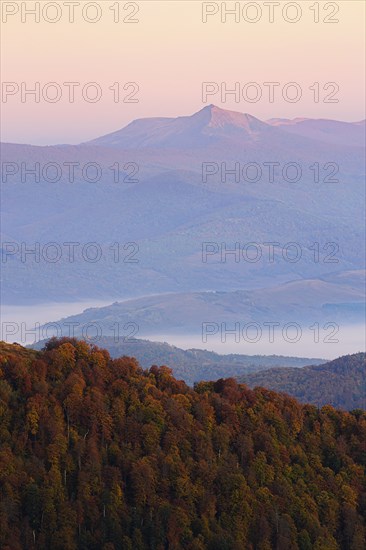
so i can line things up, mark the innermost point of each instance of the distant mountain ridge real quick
(340, 383)
(199, 129)
(151, 191)
(212, 124)
(334, 298)
(330, 131)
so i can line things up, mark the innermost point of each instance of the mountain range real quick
(331, 299)
(213, 125)
(209, 127)
(173, 197)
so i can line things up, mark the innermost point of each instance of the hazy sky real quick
(169, 53)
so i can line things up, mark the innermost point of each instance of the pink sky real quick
(169, 53)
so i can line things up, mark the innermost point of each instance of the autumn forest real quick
(98, 453)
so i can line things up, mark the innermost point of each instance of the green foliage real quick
(97, 453)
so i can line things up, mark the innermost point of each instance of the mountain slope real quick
(212, 126)
(169, 209)
(341, 383)
(97, 453)
(303, 301)
(203, 128)
(194, 365)
(329, 131)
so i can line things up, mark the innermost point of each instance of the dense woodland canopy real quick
(97, 453)
(341, 383)
(193, 365)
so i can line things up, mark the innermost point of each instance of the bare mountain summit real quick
(201, 129)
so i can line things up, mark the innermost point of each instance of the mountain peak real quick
(211, 124)
(216, 117)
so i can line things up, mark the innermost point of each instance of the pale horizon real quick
(170, 78)
(113, 129)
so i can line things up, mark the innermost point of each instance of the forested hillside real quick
(195, 365)
(341, 383)
(97, 453)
